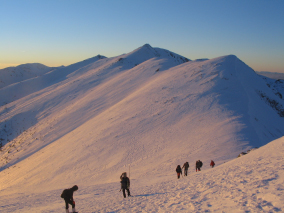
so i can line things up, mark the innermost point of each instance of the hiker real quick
(198, 165)
(185, 166)
(212, 164)
(179, 172)
(125, 184)
(67, 195)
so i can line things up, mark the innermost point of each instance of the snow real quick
(22, 72)
(147, 111)
(251, 183)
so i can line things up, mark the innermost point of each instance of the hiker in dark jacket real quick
(212, 164)
(185, 166)
(67, 195)
(198, 165)
(179, 172)
(125, 184)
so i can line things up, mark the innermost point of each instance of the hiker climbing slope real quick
(67, 195)
(185, 166)
(179, 171)
(125, 184)
(198, 165)
(212, 164)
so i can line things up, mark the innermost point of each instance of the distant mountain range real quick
(272, 75)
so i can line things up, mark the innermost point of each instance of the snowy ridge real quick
(147, 110)
(39, 81)
(11, 75)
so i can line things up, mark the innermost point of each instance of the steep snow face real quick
(277, 86)
(99, 119)
(242, 91)
(22, 72)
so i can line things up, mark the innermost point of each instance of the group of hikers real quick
(185, 166)
(67, 194)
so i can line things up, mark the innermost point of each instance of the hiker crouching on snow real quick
(125, 184)
(67, 195)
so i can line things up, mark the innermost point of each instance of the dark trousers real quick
(178, 174)
(128, 192)
(72, 203)
(185, 172)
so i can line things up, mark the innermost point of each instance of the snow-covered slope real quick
(277, 86)
(252, 183)
(147, 110)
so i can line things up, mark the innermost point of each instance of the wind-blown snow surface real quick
(149, 110)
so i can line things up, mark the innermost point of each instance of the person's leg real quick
(73, 207)
(66, 205)
(128, 192)
(123, 191)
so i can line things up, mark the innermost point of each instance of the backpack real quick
(63, 194)
(201, 164)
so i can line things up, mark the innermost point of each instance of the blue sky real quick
(62, 32)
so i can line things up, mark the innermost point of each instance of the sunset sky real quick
(62, 32)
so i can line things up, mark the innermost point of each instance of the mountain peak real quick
(147, 45)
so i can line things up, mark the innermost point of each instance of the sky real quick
(62, 32)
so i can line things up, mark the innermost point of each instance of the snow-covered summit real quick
(147, 52)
